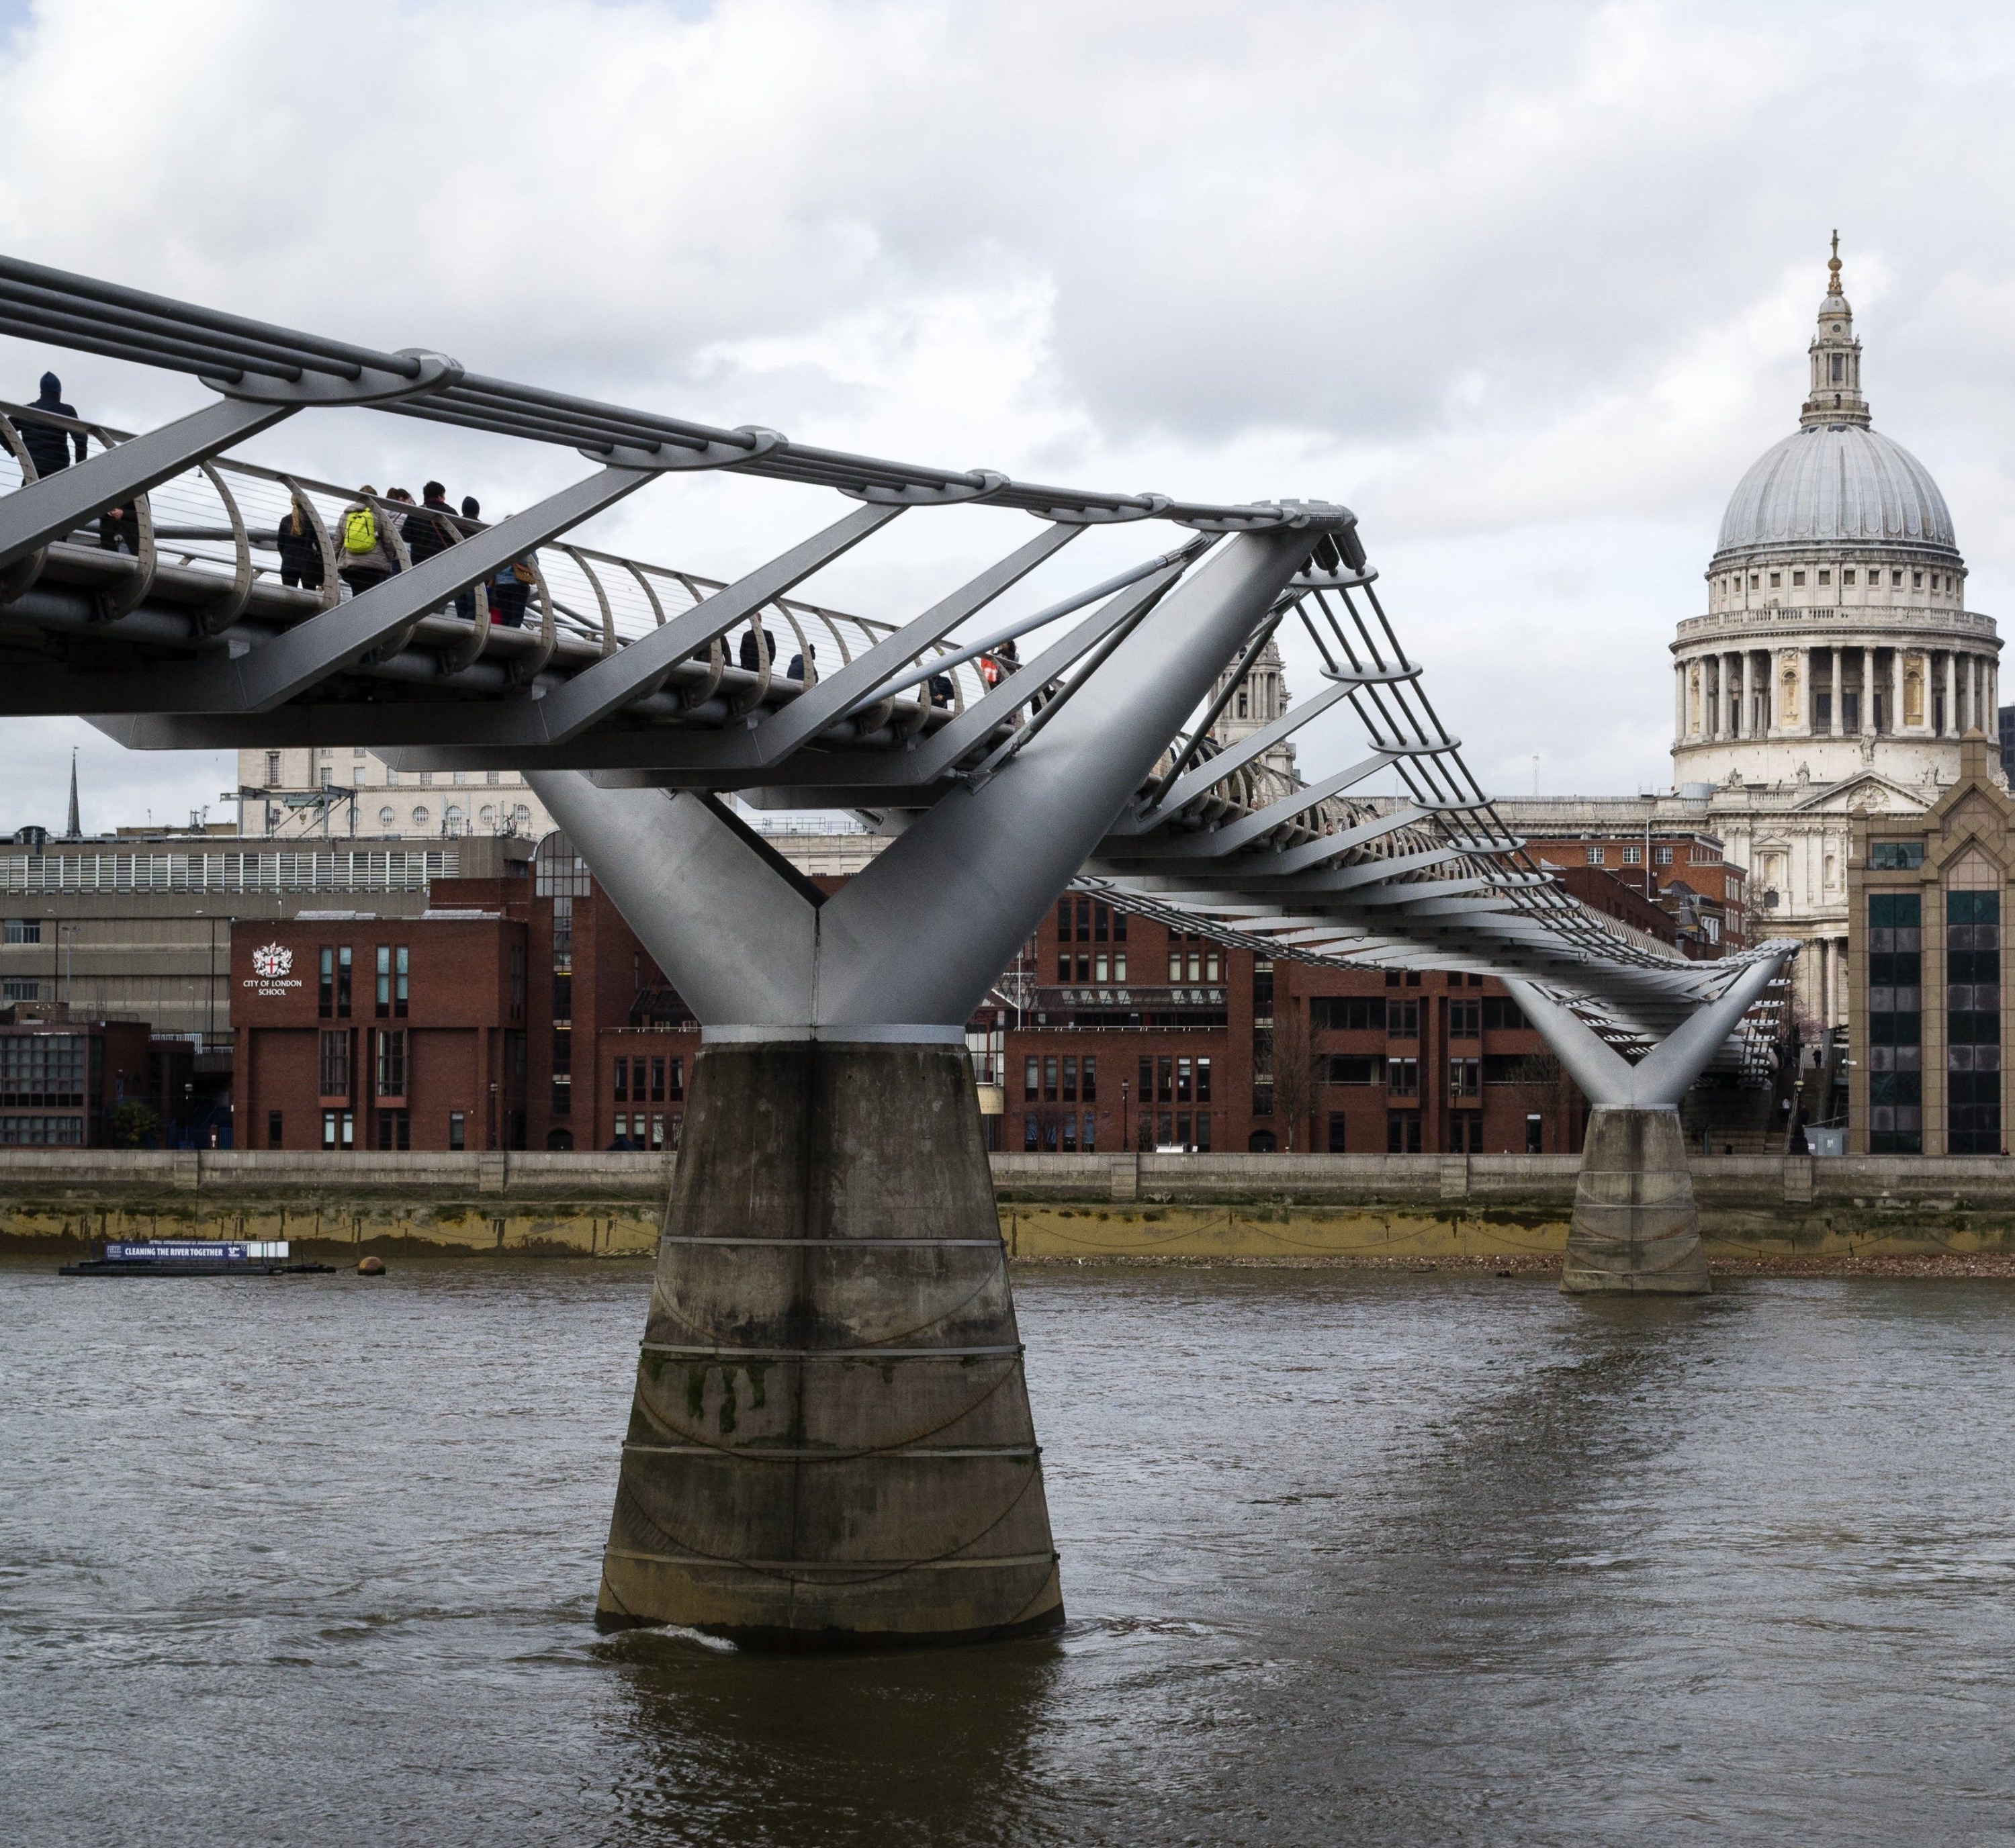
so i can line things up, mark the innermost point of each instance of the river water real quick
(1350, 1557)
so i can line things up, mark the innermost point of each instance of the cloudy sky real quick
(1528, 285)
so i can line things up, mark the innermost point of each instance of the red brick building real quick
(62, 1080)
(522, 1012)
(356, 1031)
(1133, 1035)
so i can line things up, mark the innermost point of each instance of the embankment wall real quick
(1345, 1208)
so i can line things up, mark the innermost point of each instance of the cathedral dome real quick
(1837, 485)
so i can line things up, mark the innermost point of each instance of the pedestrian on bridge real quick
(432, 529)
(751, 662)
(510, 590)
(48, 445)
(805, 666)
(299, 550)
(472, 510)
(367, 554)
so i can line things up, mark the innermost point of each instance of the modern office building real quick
(1929, 905)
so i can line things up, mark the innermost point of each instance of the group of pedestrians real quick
(368, 556)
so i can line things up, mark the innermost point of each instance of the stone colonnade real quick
(1930, 692)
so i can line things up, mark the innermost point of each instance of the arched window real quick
(451, 819)
(388, 818)
(420, 817)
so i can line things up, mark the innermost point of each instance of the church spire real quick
(1835, 396)
(75, 830)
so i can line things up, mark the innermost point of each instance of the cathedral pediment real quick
(1867, 792)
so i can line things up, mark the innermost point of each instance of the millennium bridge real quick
(831, 1436)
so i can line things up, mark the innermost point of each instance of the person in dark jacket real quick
(119, 530)
(300, 551)
(426, 533)
(796, 670)
(464, 604)
(47, 447)
(749, 659)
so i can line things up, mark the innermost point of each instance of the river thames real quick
(1348, 1556)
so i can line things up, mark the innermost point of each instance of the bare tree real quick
(1294, 1066)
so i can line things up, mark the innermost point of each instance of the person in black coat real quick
(47, 447)
(464, 604)
(300, 551)
(750, 660)
(426, 533)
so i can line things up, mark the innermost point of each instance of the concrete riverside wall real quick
(1349, 1207)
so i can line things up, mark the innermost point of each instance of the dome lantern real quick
(1835, 396)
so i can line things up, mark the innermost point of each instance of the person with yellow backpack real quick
(364, 548)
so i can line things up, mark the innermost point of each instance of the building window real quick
(1466, 1019)
(20, 988)
(1337, 1132)
(1633, 856)
(623, 1080)
(339, 1129)
(1797, 577)
(1402, 1020)
(1895, 856)
(395, 1129)
(419, 818)
(1465, 1080)
(342, 970)
(1895, 1025)
(1032, 1080)
(1402, 1077)
(23, 929)
(1593, 855)
(457, 1137)
(1402, 1132)
(1662, 855)
(335, 1062)
(1777, 580)
(1070, 1081)
(1826, 577)
(1465, 1132)
(325, 983)
(675, 1080)
(1202, 1081)
(1896, 580)
(1049, 1081)
(384, 991)
(1972, 1023)
(274, 1139)
(392, 1063)
(1916, 580)
(657, 1079)
(562, 1092)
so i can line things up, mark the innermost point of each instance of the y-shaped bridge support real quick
(831, 1437)
(1636, 1231)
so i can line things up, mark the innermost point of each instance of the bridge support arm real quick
(1636, 1230)
(51, 508)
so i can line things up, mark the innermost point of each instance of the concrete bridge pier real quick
(831, 1437)
(1636, 1231)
